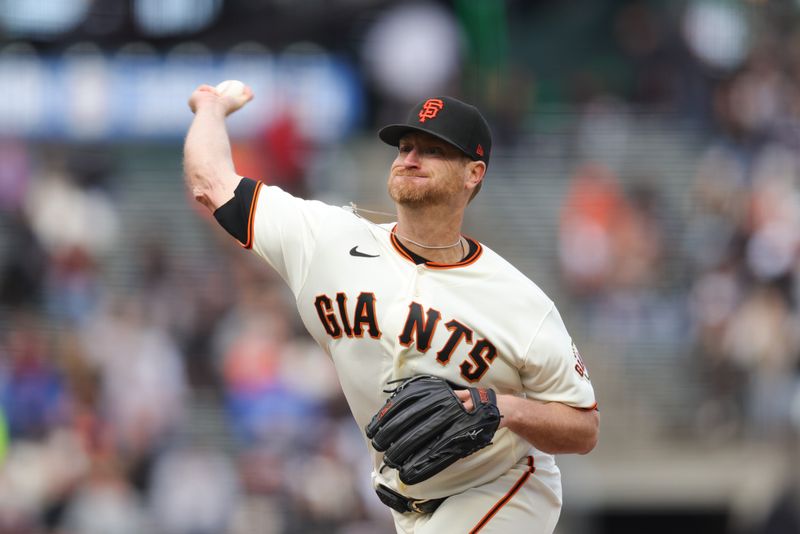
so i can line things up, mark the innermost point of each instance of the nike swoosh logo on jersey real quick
(355, 252)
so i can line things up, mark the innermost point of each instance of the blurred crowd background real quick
(154, 377)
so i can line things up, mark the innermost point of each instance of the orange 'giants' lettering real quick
(482, 354)
(341, 301)
(459, 332)
(326, 314)
(364, 317)
(418, 327)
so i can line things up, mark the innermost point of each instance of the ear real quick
(475, 170)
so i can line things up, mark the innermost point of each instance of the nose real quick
(410, 158)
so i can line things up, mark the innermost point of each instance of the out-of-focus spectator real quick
(613, 257)
(66, 216)
(638, 241)
(106, 503)
(590, 215)
(14, 174)
(165, 284)
(759, 338)
(24, 272)
(142, 380)
(714, 297)
(72, 285)
(280, 155)
(774, 214)
(655, 61)
(193, 492)
(509, 116)
(76, 226)
(719, 199)
(325, 490)
(258, 364)
(743, 247)
(257, 512)
(38, 478)
(288, 154)
(212, 298)
(32, 388)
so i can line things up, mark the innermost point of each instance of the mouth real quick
(411, 176)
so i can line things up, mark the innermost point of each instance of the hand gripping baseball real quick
(229, 95)
(424, 428)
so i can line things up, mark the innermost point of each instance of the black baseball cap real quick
(449, 119)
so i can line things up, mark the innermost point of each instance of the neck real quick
(421, 229)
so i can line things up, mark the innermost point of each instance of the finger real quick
(464, 396)
(248, 93)
(201, 91)
(238, 101)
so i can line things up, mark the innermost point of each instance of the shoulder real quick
(273, 198)
(506, 274)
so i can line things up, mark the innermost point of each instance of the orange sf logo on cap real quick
(430, 109)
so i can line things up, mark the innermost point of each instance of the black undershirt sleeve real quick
(236, 215)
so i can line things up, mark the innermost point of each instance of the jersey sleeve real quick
(553, 370)
(285, 230)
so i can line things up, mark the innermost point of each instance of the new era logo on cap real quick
(449, 119)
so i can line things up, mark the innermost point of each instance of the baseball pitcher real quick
(457, 367)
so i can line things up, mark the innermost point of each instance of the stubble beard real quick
(420, 195)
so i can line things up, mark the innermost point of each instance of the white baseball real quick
(233, 88)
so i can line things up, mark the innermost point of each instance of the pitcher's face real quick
(426, 171)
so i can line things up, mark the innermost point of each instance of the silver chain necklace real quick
(355, 209)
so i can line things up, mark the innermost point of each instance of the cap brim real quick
(392, 134)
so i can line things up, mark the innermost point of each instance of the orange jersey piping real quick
(251, 216)
(507, 497)
(469, 260)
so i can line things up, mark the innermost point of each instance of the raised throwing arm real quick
(207, 161)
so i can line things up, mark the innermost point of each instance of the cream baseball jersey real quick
(380, 317)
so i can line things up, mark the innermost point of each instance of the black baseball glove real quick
(423, 427)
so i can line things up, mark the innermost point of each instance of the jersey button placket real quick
(417, 279)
